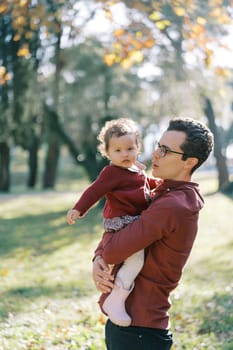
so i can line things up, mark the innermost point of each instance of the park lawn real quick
(48, 300)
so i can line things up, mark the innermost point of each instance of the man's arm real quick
(150, 226)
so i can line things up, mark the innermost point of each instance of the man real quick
(166, 230)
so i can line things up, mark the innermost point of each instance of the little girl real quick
(128, 191)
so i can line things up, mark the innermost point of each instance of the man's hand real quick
(101, 275)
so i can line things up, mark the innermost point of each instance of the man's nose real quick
(156, 153)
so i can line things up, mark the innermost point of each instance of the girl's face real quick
(123, 150)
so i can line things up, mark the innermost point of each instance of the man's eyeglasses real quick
(164, 150)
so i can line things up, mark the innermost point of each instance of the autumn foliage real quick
(197, 24)
(199, 27)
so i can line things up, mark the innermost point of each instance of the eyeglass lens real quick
(163, 150)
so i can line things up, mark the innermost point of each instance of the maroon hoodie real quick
(166, 230)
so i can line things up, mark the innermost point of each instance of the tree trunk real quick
(4, 100)
(223, 174)
(33, 162)
(51, 162)
(53, 150)
(107, 88)
(4, 167)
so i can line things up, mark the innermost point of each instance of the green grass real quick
(202, 314)
(47, 297)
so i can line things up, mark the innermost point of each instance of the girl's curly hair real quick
(117, 127)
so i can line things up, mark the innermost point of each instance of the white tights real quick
(131, 268)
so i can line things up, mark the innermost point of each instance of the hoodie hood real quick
(189, 193)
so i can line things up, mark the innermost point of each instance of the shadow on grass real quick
(218, 318)
(228, 195)
(16, 300)
(227, 191)
(45, 233)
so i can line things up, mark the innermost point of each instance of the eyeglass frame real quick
(165, 150)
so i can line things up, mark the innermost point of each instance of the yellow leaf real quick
(109, 59)
(23, 3)
(118, 32)
(17, 37)
(149, 43)
(136, 44)
(4, 272)
(166, 22)
(117, 46)
(216, 12)
(202, 41)
(108, 14)
(20, 21)
(34, 23)
(4, 77)
(3, 8)
(179, 11)
(216, 3)
(23, 51)
(190, 46)
(38, 11)
(208, 57)
(162, 24)
(155, 16)
(136, 56)
(2, 71)
(222, 92)
(7, 76)
(138, 35)
(197, 29)
(224, 19)
(126, 63)
(140, 6)
(202, 21)
(222, 72)
(28, 35)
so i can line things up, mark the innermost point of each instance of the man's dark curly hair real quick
(199, 140)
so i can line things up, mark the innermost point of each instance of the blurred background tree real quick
(68, 66)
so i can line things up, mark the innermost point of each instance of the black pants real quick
(136, 338)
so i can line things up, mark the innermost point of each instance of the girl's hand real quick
(101, 275)
(72, 215)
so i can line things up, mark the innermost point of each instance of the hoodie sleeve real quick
(105, 182)
(141, 233)
(99, 250)
(171, 219)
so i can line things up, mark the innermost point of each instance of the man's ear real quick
(191, 162)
